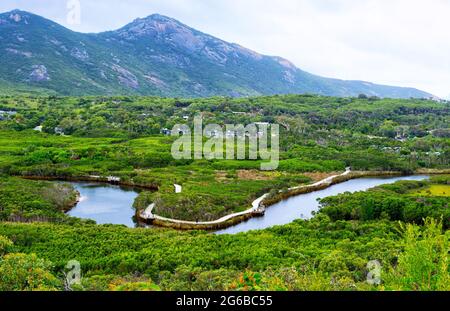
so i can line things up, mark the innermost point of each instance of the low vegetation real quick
(25, 200)
(402, 201)
(403, 226)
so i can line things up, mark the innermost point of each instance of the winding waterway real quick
(110, 204)
(302, 206)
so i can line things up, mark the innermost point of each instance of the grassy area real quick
(434, 190)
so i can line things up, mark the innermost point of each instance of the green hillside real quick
(153, 56)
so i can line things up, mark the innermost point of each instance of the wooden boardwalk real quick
(257, 208)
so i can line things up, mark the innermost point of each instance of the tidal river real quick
(302, 206)
(109, 204)
(105, 203)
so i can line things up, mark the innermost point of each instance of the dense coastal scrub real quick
(314, 255)
(121, 136)
(403, 226)
(403, 201)
(23, 200)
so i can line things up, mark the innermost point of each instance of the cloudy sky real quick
(395, 42)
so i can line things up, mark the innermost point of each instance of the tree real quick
(423, 265)
(70, 125)
(22, 272)
(5, 244)
(48, 126)
(388, 129)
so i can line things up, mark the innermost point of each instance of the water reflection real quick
(105, 203)
(303, 206)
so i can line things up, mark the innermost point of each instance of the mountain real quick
(156, 55)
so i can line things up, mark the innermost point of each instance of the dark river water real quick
(302, 206)
(105, 203)
(109, 204)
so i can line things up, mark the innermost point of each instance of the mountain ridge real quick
(156, 55)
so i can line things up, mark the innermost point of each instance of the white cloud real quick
(398, 42)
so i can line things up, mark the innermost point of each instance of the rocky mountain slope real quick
(156, 55)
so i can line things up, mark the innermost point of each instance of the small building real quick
(437, 154)
(401, 138)
(166, 131)
(113, 179)
(59, 131)
(5, 115)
